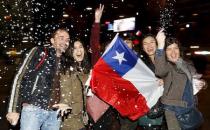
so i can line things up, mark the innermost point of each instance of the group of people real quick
(49, 91)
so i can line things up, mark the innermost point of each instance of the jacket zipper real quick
(35, 84)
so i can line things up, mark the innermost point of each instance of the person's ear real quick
(52, 40)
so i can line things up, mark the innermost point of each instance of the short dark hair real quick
(58, 30)
(172, 40)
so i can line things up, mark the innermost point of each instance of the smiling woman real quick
(78, 51)
(80, 56)
(178, 74)
(74, 75)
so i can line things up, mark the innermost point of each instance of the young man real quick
(36, 86)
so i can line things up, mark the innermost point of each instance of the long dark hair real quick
(69, 64)
(143, 55)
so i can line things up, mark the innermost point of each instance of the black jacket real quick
(34, 80)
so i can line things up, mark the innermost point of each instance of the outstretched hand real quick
(200, 84)
(98, 13)
(62, 108)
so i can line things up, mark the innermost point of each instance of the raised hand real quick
(160, 37)
(98, 13)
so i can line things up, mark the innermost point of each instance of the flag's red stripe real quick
(118, 92)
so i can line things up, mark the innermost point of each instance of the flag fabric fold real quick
(123, 81)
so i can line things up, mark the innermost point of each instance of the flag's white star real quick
(119, 57)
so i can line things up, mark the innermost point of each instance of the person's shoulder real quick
(37, 51)
(44, 48)
(40, 47)
(36, 48)
(28, 51)
(188, 61)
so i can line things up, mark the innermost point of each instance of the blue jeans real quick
(34, 118)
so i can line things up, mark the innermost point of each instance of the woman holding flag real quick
(154, 119)
(125, 124)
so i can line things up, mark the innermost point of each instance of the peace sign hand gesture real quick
(98, 13)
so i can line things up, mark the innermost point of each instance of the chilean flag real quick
(122, 80)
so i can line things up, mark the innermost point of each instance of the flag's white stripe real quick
(145, 82)
(14, 86)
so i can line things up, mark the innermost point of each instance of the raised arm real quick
(95, 35)
(161, 66)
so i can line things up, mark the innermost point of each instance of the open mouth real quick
(78, 56)
(150, 50)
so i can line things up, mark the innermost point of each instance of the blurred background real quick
(28, 23)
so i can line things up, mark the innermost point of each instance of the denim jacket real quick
(188, 97)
